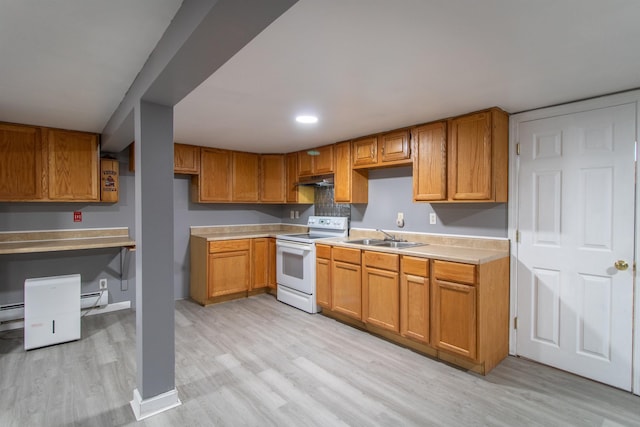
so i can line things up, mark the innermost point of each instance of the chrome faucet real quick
(389, 236)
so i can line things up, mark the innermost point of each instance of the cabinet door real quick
(346, 289)
(215, 175)
(245, 184)
(272, 280)
(394, 147)
(22, 163)
(365, 152)
(73, 165)
(272, 178)
(454, 320)
(292, 177)
(350, 186)
(229, 267)
(260, 266)
(381, 294)
(429, 162)
(323, 282)
(342, 176)
(470, 174)
(414, 299)
(186, 159)
(323, 162)
(305, 164)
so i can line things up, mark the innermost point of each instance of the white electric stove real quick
(296, 261)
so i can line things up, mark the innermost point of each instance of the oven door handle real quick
(292, 246)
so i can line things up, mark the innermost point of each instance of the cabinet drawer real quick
(346, 255)
(455, 272)
(381, 260)
(229, 245)
(323, 251)
(415, 266)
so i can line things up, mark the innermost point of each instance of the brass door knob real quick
(621, 265)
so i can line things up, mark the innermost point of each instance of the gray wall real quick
(390, 191)
(186, 214)
(91, 264)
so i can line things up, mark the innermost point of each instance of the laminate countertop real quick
(17, 242)
(468, 250)
(466, 255)
(254, 231)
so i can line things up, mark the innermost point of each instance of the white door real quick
(576, 220)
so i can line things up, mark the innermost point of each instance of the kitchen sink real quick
(386, 243)
(368, 242)
(399, 245)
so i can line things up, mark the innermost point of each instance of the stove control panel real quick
(331, 222)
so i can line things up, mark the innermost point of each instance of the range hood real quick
(316, 181)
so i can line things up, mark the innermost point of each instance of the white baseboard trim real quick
(116, 306)
(14, 324)
(123, 305)
(144, 408)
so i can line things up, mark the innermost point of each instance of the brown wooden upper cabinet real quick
(73, 165)
(478, 157)
(226, 176)
(186, 159)
(463, 160)
(213, 184)
(351, 186)
(296, 193)
(246, 179)
(43, 164)
(272, 178)
(388, 149)
(430, 162)
(23, 163)
(316, 164)
(365, 152)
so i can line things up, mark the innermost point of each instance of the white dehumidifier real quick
(51, 310)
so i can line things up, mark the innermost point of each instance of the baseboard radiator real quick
(15, 312)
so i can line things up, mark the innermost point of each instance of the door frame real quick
(573, 107)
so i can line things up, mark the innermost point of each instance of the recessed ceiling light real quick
(307, 119)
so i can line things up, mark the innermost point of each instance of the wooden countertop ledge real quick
(17, 242)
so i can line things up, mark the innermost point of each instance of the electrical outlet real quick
(103, 284)
(432, 218)
(297, 214)
(291, 214)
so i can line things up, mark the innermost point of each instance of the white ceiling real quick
(68, 63)
(362, 66)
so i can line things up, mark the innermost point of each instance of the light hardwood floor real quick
(257, 362)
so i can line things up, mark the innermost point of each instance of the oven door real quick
(296, 266)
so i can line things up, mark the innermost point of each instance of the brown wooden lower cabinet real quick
(454, 317)
(228, 269)
(272, 280)
(415, 298)
(346, 282)
(454, 311)
(260, 259)
(323, 276)
(381, 290)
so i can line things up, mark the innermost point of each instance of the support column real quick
(155, 343)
